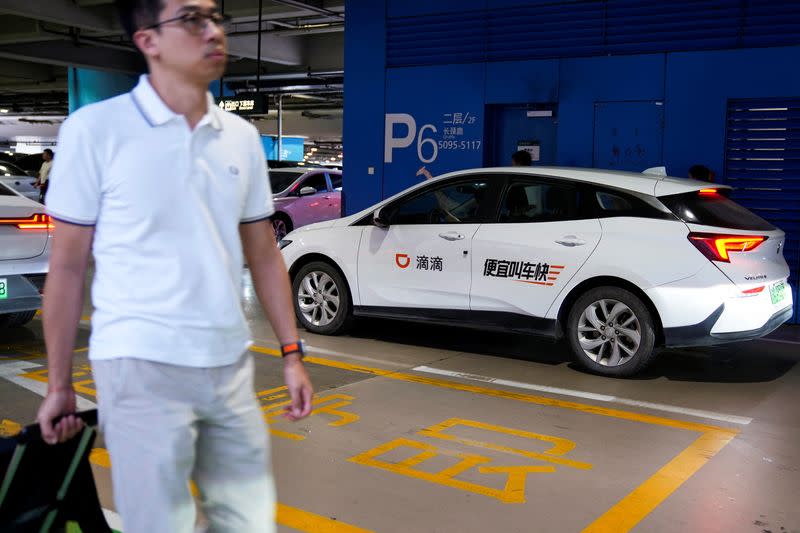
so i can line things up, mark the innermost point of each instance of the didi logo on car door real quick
(402, 260)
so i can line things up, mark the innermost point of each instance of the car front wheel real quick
(321, 299)
(611, 332)
(281, 226)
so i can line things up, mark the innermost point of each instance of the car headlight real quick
(283, 244)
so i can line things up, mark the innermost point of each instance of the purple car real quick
(303, 196)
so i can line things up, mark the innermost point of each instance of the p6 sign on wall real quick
(434, 120)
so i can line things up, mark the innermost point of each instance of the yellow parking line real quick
(312, 523)
(521, 397)
(84, 318)
(634, 507)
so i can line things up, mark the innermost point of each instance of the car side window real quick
(336, 181)
(454, 203)
(612, 202)
(616, 204)
(539, 202)
(317, 181)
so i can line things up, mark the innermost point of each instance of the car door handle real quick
(571, 241)
(451, 236)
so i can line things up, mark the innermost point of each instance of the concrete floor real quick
(429, 429)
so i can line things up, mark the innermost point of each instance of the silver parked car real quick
(14, 177)
(25, 232)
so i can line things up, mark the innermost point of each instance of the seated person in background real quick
(521, 159)
(701, 173)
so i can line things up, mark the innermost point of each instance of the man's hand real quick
(300, 389)
(59, 402)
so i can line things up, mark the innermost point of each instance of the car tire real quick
(322, 300)
(281, 225)
(15, 320)
(623, 351)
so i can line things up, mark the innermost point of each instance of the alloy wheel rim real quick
(318, 298)
(609, 332)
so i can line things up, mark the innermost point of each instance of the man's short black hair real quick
(48, 151)
(700, 172)
(136, 14)
(522, 158)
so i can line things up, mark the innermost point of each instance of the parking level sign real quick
(3, 288)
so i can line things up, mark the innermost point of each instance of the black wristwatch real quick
(294, 347)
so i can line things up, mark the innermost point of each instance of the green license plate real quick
(777, 291)
(3, 288)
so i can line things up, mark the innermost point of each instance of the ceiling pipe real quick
(307, 7)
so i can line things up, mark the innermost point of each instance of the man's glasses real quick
(196, 22)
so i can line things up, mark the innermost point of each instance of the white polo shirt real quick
(166, 203)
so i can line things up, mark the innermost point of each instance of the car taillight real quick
(705, 192)
(718, 247)
(37, 221)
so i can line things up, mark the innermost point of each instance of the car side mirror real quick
(308, 191)
(379, 219)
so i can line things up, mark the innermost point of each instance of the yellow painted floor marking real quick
(312, 523)
(84, 318)
(9, 428)
(633, 507)
(516, 476)
(560, 446)
(513, 492)
(276, 399)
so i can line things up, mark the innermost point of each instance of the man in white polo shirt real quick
(167, 192)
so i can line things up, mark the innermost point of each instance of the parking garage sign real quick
(255, 104)
(454, 131)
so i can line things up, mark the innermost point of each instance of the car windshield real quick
(280, 180)
(7, 169)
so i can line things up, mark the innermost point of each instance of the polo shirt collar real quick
(156, 112)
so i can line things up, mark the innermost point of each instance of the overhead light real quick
(3, 110)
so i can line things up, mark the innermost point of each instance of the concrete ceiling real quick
(302, 50)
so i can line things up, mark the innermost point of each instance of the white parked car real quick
(617, 263)
(24, 255)
(15, 178)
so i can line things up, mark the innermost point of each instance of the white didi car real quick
(617, 263)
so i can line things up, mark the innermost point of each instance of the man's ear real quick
(146, 42)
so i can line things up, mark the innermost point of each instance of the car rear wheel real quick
(611, 332)
(322, 299)
(15, 320)
(281, 225)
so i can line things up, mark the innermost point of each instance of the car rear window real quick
(714, 210)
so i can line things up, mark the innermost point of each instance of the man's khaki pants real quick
(164, 425)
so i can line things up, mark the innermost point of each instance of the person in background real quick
(701, 173)
(43, 176)
(521, 158)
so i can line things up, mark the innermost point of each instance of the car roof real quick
(302, 170)
(650, 184)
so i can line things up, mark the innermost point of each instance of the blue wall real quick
(87, 86)
(693, 88)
